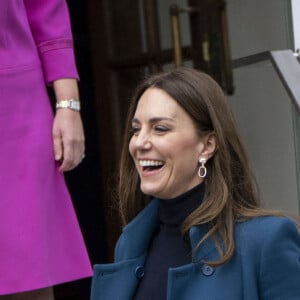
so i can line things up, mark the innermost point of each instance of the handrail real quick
(250, 59)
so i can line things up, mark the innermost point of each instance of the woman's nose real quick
(143, 141)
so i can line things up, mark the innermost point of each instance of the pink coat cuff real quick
(58, 60)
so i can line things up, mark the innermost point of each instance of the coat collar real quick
(207, 251)
(136, 236)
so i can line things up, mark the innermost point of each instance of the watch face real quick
(75, 105)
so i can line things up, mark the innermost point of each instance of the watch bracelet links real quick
(71, 103)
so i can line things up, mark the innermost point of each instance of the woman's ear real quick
(209, 145)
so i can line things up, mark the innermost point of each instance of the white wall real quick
(261, 105)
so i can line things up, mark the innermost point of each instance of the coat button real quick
(139, 272)
(207, 270)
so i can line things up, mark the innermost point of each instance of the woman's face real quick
(165, 146)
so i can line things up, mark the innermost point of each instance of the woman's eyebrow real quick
(135, 120)
(154, 119)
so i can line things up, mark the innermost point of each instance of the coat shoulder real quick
(265, 224)
(269, 247)
(265, 231)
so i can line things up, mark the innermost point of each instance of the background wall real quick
(262, 107)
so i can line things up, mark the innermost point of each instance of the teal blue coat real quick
(265, 266)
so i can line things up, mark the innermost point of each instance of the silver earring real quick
(202, 169)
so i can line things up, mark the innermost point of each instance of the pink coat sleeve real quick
(50, 25)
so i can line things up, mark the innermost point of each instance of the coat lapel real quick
(207, 250)
(137, 235)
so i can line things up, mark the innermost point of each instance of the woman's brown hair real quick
(231, 192)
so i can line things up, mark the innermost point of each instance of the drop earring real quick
(202, 169)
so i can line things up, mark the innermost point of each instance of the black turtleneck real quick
(168, 248)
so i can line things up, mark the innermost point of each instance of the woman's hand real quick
(68, 138)
(68, 134)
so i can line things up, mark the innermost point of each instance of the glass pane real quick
(165, 23)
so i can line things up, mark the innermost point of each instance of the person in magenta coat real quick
(40, 240)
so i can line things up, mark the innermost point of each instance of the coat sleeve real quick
(280, 262)
(50, 25)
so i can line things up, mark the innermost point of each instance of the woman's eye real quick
(161, 128)
(134, 130)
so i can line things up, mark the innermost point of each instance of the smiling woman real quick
(188, 199)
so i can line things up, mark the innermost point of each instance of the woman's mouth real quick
(151, 165)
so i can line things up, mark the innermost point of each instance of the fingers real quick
(73, 151)
(68, 139)
(58, 146)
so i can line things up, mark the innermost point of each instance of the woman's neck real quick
(173, 212)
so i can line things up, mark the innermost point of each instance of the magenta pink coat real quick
(40, 241)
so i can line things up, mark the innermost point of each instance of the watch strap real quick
(69, 103)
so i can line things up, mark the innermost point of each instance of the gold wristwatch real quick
(70, 103)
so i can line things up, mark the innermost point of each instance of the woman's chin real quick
(150, 190)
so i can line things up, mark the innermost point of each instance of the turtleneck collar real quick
(172, 212)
